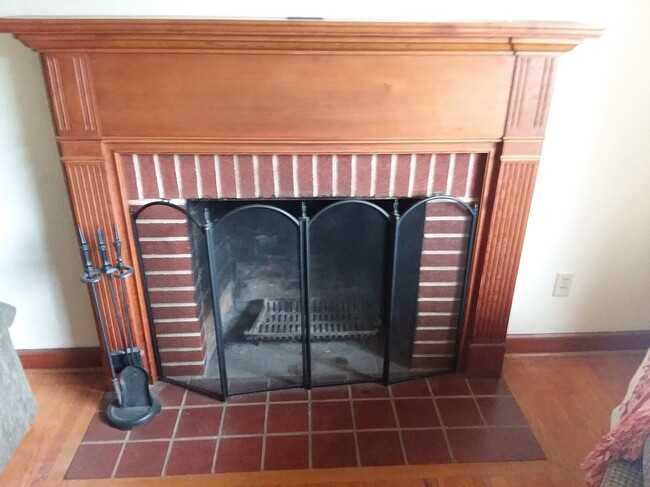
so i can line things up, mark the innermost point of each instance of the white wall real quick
(597, 154)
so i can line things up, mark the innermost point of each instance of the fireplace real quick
(296, 110)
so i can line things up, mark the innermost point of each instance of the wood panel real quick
(320, 96)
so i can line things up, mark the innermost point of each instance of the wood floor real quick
(566, 399)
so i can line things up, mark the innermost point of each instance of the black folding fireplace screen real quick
(308, 293)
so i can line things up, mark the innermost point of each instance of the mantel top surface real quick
(87, 34)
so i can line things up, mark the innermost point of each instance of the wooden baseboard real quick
(61, 358)
(578, 342)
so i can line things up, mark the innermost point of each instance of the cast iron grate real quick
(280, 319)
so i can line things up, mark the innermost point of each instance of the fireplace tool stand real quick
(134, 404)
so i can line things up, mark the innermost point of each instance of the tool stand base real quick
(126, 418)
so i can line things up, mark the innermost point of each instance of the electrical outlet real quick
(562, 284)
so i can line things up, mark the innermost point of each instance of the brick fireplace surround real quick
(179, 109)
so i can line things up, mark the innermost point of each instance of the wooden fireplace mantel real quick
(120, 86)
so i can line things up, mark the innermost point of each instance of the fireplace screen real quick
(301, 294)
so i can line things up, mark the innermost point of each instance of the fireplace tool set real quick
(134, 404)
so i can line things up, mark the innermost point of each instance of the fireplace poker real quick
(108, 269)
(122, 272)
(91, 277)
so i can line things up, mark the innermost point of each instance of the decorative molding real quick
(61, 358)
(578, 342)
(85, 93)
(57, 94)
(294, 35)
(530, 95)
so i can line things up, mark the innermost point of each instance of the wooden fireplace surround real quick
(268, 87)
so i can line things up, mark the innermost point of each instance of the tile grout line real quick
(171, 440)
(219, 436)
(119, 456)
(315, 433)
(354, 427)
(266, 425)
(442, 425)
(397, 422)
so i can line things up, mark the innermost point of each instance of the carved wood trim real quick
(71, 94)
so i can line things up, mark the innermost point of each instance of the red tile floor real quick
(437, 420)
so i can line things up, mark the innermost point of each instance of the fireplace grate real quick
(281, 319)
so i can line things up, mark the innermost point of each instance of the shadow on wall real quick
(39, 261)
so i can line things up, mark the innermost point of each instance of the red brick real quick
(424, 335)
(265, 171)
(129, 177)
(459, 178)
(175, 312)
(478, 175)
(226, 167)
(443, 259)
(441, 276)
(447, 226)
(402, 175)
(440, 291)
(170, 280)
(167, 356)
(178, 327)
(172, 296)
(422, 166)
(439, 306)
(148, 176)
(382, 179)
(180, 342)
(285, 176)
(437, 321)
(208, 176)
(432, 362)
(246, 176)
(305, 175)
(324, 175)
(445, 243)
(181, 370)
(445, 208)
(168, 264)
(162, 229)
(165, 247)
(364, 169)
(441, 173)
(167, 172)
(433, 348)
(189, 178)
(344, 175)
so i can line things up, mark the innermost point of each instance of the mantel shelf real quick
(147, 34)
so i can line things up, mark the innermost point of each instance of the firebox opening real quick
(294, 293)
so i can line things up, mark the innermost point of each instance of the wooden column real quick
(512, 189)
(92, 180)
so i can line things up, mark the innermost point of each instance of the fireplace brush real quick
(135, 405)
